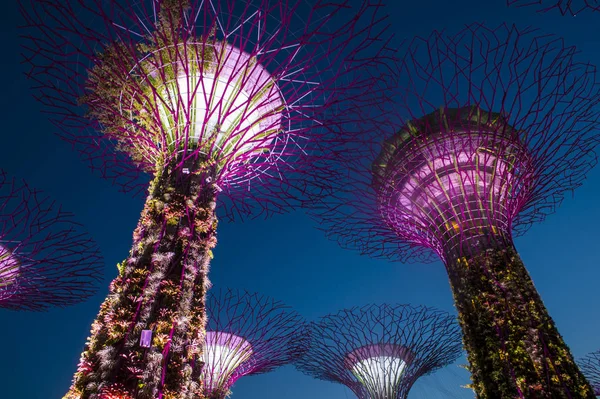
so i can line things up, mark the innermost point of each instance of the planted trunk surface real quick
(513, 346)
(161, 287)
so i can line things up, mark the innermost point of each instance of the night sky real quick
(286, 257)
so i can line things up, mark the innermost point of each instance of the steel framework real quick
(46, 259)
(490, 128)
(590, 365)
(379, 351)
(571, 7)
(228, 105)
(247, 334)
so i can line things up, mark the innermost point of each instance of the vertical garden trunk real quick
(161, 287)
(513, 346)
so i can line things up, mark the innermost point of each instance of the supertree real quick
(218, 100)
(490, 127)
(46, 259)
(571, 7)
(590, 365)
(379, 351)
(247, 334)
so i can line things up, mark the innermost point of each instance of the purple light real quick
(261, 334)
(146, 338)
(451, 178)
(230, 106)
(45, 260)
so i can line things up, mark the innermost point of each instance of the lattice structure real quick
(247, 334)
(46, 259)
(379, 351)
(590, 365)
(229, 105)
(449, 192)
(565, 7)
(490, 128)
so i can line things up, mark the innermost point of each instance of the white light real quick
(380, 375)
(223, 353)
(230, 106)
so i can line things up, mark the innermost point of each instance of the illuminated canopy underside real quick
(379, 368)
(9, 271)
(223, 353)
(454, 186)
(220, 99)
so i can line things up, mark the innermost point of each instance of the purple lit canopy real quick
(45, 258)
(232, 107)
(522, 112)
(247, 334)
(230, 82)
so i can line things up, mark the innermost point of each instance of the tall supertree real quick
(222, 102)
(46, 259)
(490, 128)
(590, 365)
(379, 351)
(247, 334)
(565, 7)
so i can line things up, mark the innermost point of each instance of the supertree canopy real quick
(46, 259)
(590, 365)
(570, 7)
(488, 131)
(247, 334)
(221, 101)
(379, 351)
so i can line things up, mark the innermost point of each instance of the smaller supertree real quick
(247, 334)
(571, 7)
(379, 351)
(590, 366)
(45, 259)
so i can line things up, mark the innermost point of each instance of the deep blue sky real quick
(286, 257)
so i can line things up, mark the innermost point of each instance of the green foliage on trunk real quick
(161, 287)
(513, 346)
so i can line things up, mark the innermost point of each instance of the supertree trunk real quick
(161, 287)
(513, 346)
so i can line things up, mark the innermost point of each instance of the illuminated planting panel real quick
(228, 104)
(222, 354)
(457, 186)
(379, 368)
(9, 271)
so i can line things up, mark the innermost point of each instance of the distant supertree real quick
(247, 334)
(218, 100)
(490, 128)
(379, 351)
(590, 365)
(45, 258)
(570, 7)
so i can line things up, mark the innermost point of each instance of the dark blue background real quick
(286, 257)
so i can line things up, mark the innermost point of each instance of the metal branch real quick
(247, 334)
(379, 351)
(46, 259)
